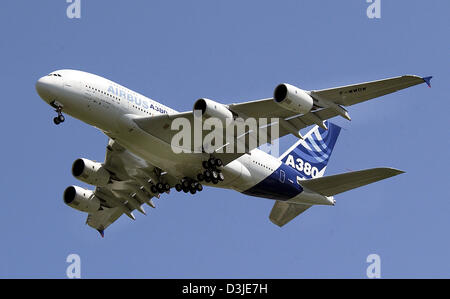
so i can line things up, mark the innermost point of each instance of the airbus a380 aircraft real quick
(141, 164)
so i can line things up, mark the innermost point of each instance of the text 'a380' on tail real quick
(310, 156)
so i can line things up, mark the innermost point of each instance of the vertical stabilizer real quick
(311, 155)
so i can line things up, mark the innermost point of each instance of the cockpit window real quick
(56, 75)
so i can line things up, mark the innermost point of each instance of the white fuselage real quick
(111, 108)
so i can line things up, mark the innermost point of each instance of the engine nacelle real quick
(293, 98)
(81, 199)
(213, 109)
(90, 172)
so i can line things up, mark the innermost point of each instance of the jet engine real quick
(81, 199)
(293, 98)
(213, 109)
(90, 172)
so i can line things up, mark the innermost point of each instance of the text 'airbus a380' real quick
(143, 161)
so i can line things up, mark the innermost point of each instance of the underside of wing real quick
(233, 139)
(227, 140)
(133, 183)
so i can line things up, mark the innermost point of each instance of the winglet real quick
(428, 80)
(102, 232)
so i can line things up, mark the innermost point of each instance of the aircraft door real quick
(282, 176)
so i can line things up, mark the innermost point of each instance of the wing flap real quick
(335, 184)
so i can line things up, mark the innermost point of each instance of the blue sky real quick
(178, 51)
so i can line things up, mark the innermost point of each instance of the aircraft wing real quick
(283, 212)
(335, 184)
(345, 96)
(160, 127)
(358, 93)
(328, 103)
(128, 190)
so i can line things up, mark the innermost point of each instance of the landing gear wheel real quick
(60, 117)
(221, 177)
(207, 180)
(218, 163)
(193, 191)
(185, 184)
(214, 175)
(166, 187)
(215, 181)
(207, 174)
(199, 187)
(200, 177)
(185, 190)
(153, 189)
(178, 187)
(211, 162)
(205, 164)
(160, 187)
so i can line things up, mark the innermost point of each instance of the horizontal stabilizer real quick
(101, 219)
(335, 184)
(283, 212)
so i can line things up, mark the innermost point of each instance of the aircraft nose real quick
(43, 87)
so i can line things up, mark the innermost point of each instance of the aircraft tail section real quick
(310, 156)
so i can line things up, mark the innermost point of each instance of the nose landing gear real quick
(59, 119)
(58, 108)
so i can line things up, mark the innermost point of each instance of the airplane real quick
(140, 162)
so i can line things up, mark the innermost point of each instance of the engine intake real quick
(81, 199)
(293, 98)
(90, 172)
(212, 109)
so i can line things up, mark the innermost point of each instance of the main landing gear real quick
(160, 186)
(60, 118)
(189, 185)
(213, 172)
